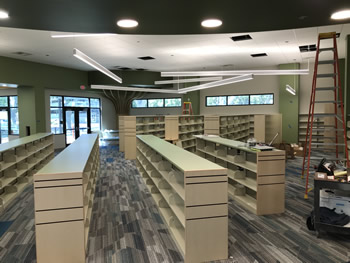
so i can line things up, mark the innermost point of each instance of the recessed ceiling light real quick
(3, 14)
(211, 23)
(128, 23)
(344, 14)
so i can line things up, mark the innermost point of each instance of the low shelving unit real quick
(20, 159)
(191, 194)
(235, 127)
(63, 197)
(256, 179)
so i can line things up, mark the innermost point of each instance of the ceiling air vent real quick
(241, 38)
(307, 48)
(21, 53)
(259, 55)
(146, 58)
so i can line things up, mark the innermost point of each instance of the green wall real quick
(33, 79)
(289, 104)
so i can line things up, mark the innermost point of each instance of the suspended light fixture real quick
(86, 59)
(134, 89)
(290, 90)
(217, 83)
(177, 81)
(235, 73)
(68, 35)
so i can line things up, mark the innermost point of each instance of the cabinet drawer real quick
(58, 197)
(206, 193)
(271, 167)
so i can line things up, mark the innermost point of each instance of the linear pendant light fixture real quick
(290, 90)
(135, 89)
(86, 59)
(235, 73)
(68, 35)
(217, 83)
(176, 81)
(179, 91)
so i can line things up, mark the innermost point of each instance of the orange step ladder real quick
(312, 129)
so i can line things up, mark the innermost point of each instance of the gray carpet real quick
(127, 227)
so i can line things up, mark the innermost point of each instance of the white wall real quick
(306, 86)
(260, 84)
(157, 111)
(108, 112)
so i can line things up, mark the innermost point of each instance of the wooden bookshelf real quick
(130, 126)
(191, 194)
(267, 126)
(20, 159)
(63, 196)
(190, 125)
(256, 179)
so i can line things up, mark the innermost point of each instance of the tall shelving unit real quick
(191, 194)
(63, 197)
(189, 126)
(318, 124)
(256, 179)
(235, 127)
(130, 126)
(19, 160)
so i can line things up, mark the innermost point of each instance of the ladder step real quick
(328, 75)
(326, 129)
(328, 101)
(324, 62)
(326, 88)
(327, 144)
(326, 49)
(328, 158)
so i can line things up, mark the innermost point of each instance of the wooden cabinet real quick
(256, 179)
(191, 194)
(267, 126)
(63, 196)
(19, 160)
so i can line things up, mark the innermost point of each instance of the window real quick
(9, 124)
(240, 100)
(139, 104)
(85, 106)
(216, 101)
(174, 102)
(76, 102)
(263, 99)
(155, 103)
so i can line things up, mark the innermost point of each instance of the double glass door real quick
(77, 122)
(4, 126)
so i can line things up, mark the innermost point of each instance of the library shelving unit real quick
(63, 197)
(235, 127)
(20, 159)
(318, 133)
(267, 126)
(130, 126)
(191, 195)
(256, 179)
(190, 125)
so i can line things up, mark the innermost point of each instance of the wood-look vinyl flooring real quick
(126, 225)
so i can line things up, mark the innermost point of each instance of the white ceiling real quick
(172, 52)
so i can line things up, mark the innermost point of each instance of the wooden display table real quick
(63, 197)
(191, 194)
(256, 179)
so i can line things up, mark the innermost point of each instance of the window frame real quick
(148, 107)
(75, 107)
(8, 108)
(244, 105)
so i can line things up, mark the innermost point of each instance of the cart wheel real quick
(318, 233)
